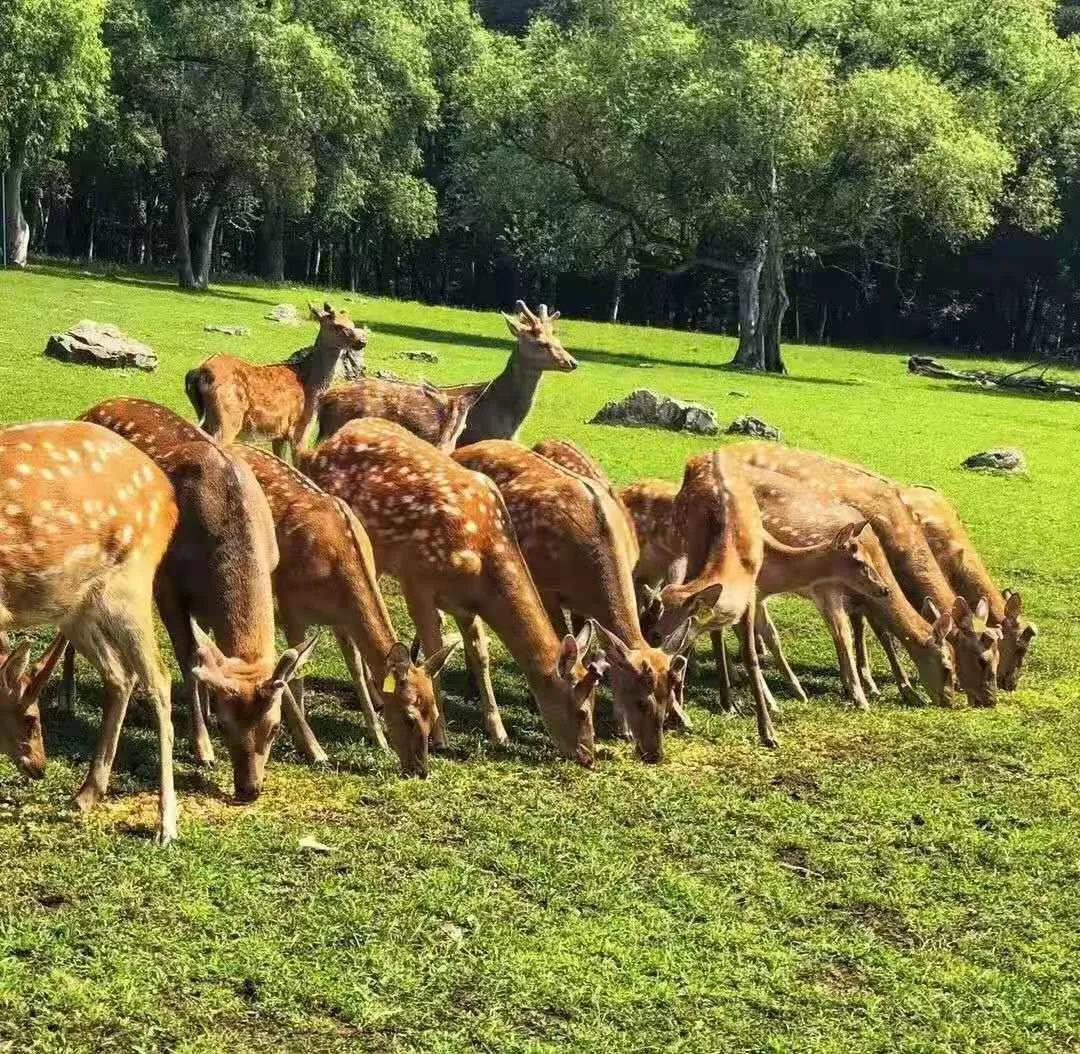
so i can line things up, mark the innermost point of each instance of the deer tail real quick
(193, 385)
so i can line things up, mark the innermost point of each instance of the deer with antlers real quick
(326, 577)
(234, 399)
(444, 533)
(216, 576)
(85, 520)
(20, 711)
(581, 550)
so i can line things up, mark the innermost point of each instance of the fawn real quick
(20, 712)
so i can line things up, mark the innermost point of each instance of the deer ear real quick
(846, 534)
(618, 654)
(943, 627)
(929, 610)
(568, 657)
(677, 669)
(44, 667)
(705, 599)
(585, 636)
(512, 324)
(1014, 606)
(679, 639)
(292, 659)
(415, 650)
(207, 653)
(555, 316)
(982, 609)
(316, 314)
(327, 308)
(437, 661)
(16, 664)
(961, 612)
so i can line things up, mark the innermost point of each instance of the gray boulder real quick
(346, 369)
(90, 343)
(645, 408)
(1002, 459)
(284, 314)
(754, 427)
(232, 331)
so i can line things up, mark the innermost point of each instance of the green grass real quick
(899, 880)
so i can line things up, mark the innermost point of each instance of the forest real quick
(831, 171)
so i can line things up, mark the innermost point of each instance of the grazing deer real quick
(20, 713)
(912, 562)
(433, 414)
(217, 574)
(506, 401)
(85, 519)
(445, 534)
(959, 559)
(235, 399)
(580, 548)
(326, 577)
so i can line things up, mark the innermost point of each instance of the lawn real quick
(903, 879)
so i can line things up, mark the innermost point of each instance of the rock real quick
(285, 314)
(647, 408)
(754, 426)
(90, 343)
(346, 368)
(1002, 459)
(232, 331)
(420, 356)
(387, 375)
(739, 395)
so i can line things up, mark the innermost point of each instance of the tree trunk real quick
(185, 272)
(774, 304)
(616, 296)
(18, 230)
(272, 242)
(748, 353)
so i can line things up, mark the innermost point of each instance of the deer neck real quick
(903, 621)
(973, 582)
(916, 568)
(317, 368)
(789, 568)
(513, 393)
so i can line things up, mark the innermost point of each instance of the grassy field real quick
(898, 880)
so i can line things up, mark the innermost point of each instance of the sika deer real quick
(218, 571)
(445, 534)
(235, 399)
(84, 522)
(580, 548)
(959, 559)
(326, 577)
(433, 414)
(20, 714)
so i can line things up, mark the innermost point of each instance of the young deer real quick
(433, 414)
(506, 401)
(235, 399)
(217, 574)
(85, 519)
(912, 562)
(581, 551)
(959, 559)
(326, 577)
(20, 713)
(445, 534)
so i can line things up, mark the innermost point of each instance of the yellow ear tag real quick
(389, 683)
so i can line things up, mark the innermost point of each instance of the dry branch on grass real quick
(1018, 381)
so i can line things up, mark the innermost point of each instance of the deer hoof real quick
(88, 797)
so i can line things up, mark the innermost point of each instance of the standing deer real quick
(445, 534)
(20, 712)
(85, 519)
(581, 550)
(217, 574)
(433, 414)
(326, 577)
(235, 399)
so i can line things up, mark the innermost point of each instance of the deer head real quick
(452, 413)
(936, 661)
(409, 705)
(1016, 637)
(570, 720)
(247, 703)
(337, 331)
(856, 568)
(537, 345)
(20, 713)
(976, 646)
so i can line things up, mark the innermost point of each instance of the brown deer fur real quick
(581, 550)
(216, 574)
(235, 399)
(326, 577)
(85, 519)
(445, 534)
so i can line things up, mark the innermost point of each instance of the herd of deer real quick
(132, 505)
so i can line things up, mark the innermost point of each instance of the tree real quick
(53, 69)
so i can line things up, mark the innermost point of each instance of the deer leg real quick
(766, 732)
(772, 641)
(476, 655)
(832, 608)
(744, 652)
(723, 671)
(355, 666)
(66, 696)
(96, 784)
(428, 623)
(862, 656)
(907, 690)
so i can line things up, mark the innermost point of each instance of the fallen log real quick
(1017, 381)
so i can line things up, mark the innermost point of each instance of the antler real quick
(523, 309)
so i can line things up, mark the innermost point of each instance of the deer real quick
(84, 523)
(912, 562)
(958, 558)
(444, 533)
(580, 549)
(326, 577)
(216, 575)
(235, 399)
(431, 413)
(20, 710)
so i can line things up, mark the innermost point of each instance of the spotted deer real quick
(20, 712)
(580, 548)
(235, 399)
(444, 533)
(85, 519)
(434, 414)
(326, 577)
(216, 576)
(960, 561)
(912, 562)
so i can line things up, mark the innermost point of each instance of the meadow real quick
(898, 880)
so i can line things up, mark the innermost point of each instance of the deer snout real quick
(566, 362)
(30, 766)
